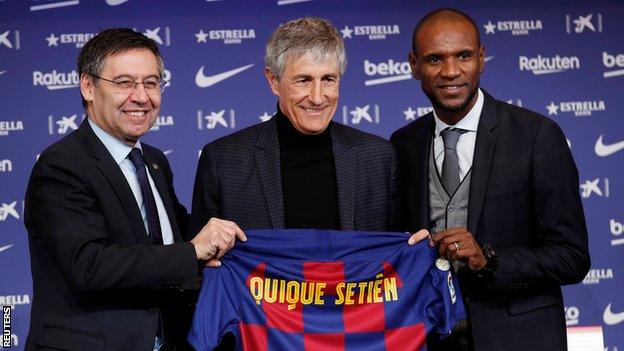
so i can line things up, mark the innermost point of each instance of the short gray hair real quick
(301, 36)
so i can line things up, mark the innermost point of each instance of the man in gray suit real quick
(300, 169)
(498, 187)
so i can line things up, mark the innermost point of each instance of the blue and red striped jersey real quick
(326, 290)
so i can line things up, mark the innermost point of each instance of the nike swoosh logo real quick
(5, 247)
(611, 318)
(204, 81)
(115, 2)
(603, 150)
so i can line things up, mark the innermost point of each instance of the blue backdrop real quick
(564, 59)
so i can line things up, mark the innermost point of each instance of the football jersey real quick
(326, 290)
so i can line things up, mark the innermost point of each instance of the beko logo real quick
(612, 61)
(572, 314)
(390, 71)
(616, 228)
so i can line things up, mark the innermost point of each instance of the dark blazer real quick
(98, 284)
(524, 201)
(239, 179)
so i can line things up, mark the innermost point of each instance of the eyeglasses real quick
(152, 86)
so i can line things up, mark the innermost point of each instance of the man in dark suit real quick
(109, 264)
(497, 186)
(300, 169)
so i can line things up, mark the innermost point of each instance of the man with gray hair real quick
(299, 169)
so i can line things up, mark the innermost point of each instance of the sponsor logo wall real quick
(565, 61)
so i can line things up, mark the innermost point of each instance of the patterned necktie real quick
(153, 223)
(450, 165)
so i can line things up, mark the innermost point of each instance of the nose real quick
(316, 93)
(139, 95)
(450, 68)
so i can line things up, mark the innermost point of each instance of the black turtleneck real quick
(308, 177)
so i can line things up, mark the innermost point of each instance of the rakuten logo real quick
(390, 71)
(56, 80)
(545, 65)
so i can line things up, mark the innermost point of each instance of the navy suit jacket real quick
(524, 201)
(98, 284)
(239, 179)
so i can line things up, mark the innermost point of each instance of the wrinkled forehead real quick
(311, 57)
(133, 59)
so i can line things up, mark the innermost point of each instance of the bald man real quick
(497, 187)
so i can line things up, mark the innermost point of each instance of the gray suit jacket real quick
(238, 179)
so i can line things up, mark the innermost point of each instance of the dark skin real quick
(448, 61)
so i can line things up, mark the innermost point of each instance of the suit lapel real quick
(346, 176)
(484, 149)
(161, 185)
(419, 174)
(267, 158)
(110, 169)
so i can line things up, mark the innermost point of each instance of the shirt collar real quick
(470, 122)
(115, 147)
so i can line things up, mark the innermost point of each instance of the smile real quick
(451, 88)
(313, 110)
(136, 113)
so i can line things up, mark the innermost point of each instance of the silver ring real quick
(456, 246)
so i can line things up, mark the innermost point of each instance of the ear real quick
(273, 81)
(481, 58)
(413, 61)
(87, 87)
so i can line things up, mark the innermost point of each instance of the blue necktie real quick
(450, 165)
(151, 211)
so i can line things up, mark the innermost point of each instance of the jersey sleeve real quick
(446, 308)
(216, 312)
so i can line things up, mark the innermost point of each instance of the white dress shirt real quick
(466, 142)
(120, 152)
